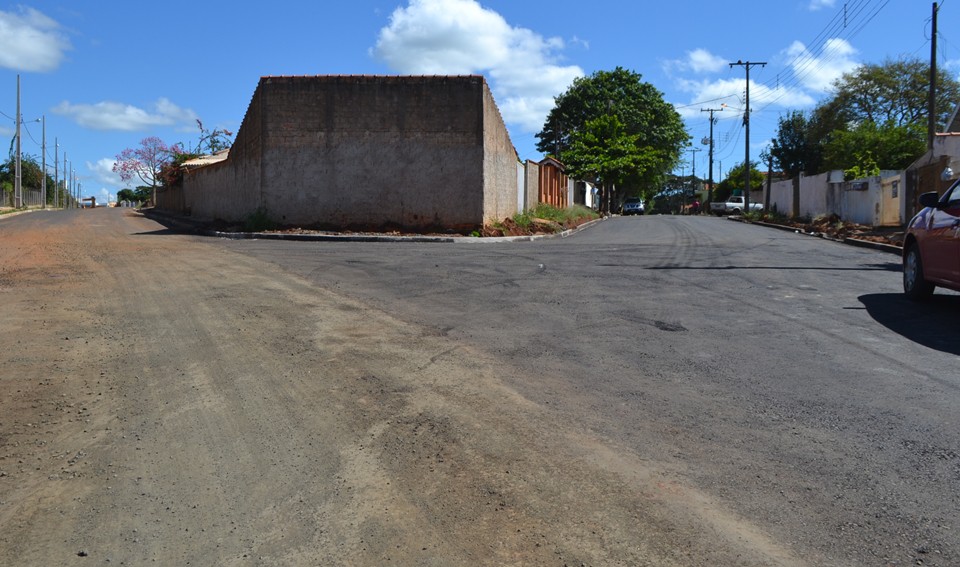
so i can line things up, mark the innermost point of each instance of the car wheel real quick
(914, 285)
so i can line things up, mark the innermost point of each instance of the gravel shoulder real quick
(166, 400)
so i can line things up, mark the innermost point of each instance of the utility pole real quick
(18, 172)
(766, 196)
(56, 173)
(746, 123)
(710, 182)
(932, 119)
(43, 160)
(694, 174)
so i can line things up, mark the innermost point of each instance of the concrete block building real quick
(361, 151)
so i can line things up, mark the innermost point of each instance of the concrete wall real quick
(891, 206)
(499, 164)
(532, 184)
(521, 186)
(230, 190)
(781, 197)
(871, 201)
(364, 151)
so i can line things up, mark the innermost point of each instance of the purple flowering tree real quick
(145, 162)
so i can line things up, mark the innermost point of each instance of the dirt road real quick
(164, 400)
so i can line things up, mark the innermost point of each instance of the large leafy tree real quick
(794, 151)
(604, 151)
(649, 129)
(894, 92)
(875, 119)
(145, 162)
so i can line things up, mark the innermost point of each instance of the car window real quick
(953, 198)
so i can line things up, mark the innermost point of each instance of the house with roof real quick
(413, 152)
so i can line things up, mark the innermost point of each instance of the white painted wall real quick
(874, 201)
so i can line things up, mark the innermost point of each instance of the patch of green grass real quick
(549, 212)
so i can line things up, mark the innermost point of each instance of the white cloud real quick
(731, 91)
(702, 61)
(699, 61)
(110, 115)
(952, 66)
(459, 37)
(817, 72)
(30, 41)
(103, 172)
(820, 4)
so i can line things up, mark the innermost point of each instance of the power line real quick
(856, 17)
(702, 102)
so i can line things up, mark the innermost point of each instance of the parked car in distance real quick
(632, 206)
(733, 206)
(931, 245)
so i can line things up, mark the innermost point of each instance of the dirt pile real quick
(834, 227)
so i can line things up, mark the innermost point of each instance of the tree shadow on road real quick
(932, 323)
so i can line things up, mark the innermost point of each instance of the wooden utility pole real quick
(746, 123)
(694, 174)
(710, 182)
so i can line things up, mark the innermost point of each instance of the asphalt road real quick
(782, 375)
(649, 391)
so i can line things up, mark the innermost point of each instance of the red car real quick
(931, 247)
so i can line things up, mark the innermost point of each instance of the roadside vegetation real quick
(830, 226)
(31, 179)
(544, 219)
(615, 130)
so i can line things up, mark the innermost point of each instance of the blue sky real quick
(106, 74)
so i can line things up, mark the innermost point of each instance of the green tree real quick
(876, 118)
(895, 91)
(656, 131)
(794, 151)
(140, 194)
(31, 177)
(866, 149)
(734, 182)
(603, 151)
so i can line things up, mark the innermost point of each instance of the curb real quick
(196, 228)
(846, 240)
(17, 213)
